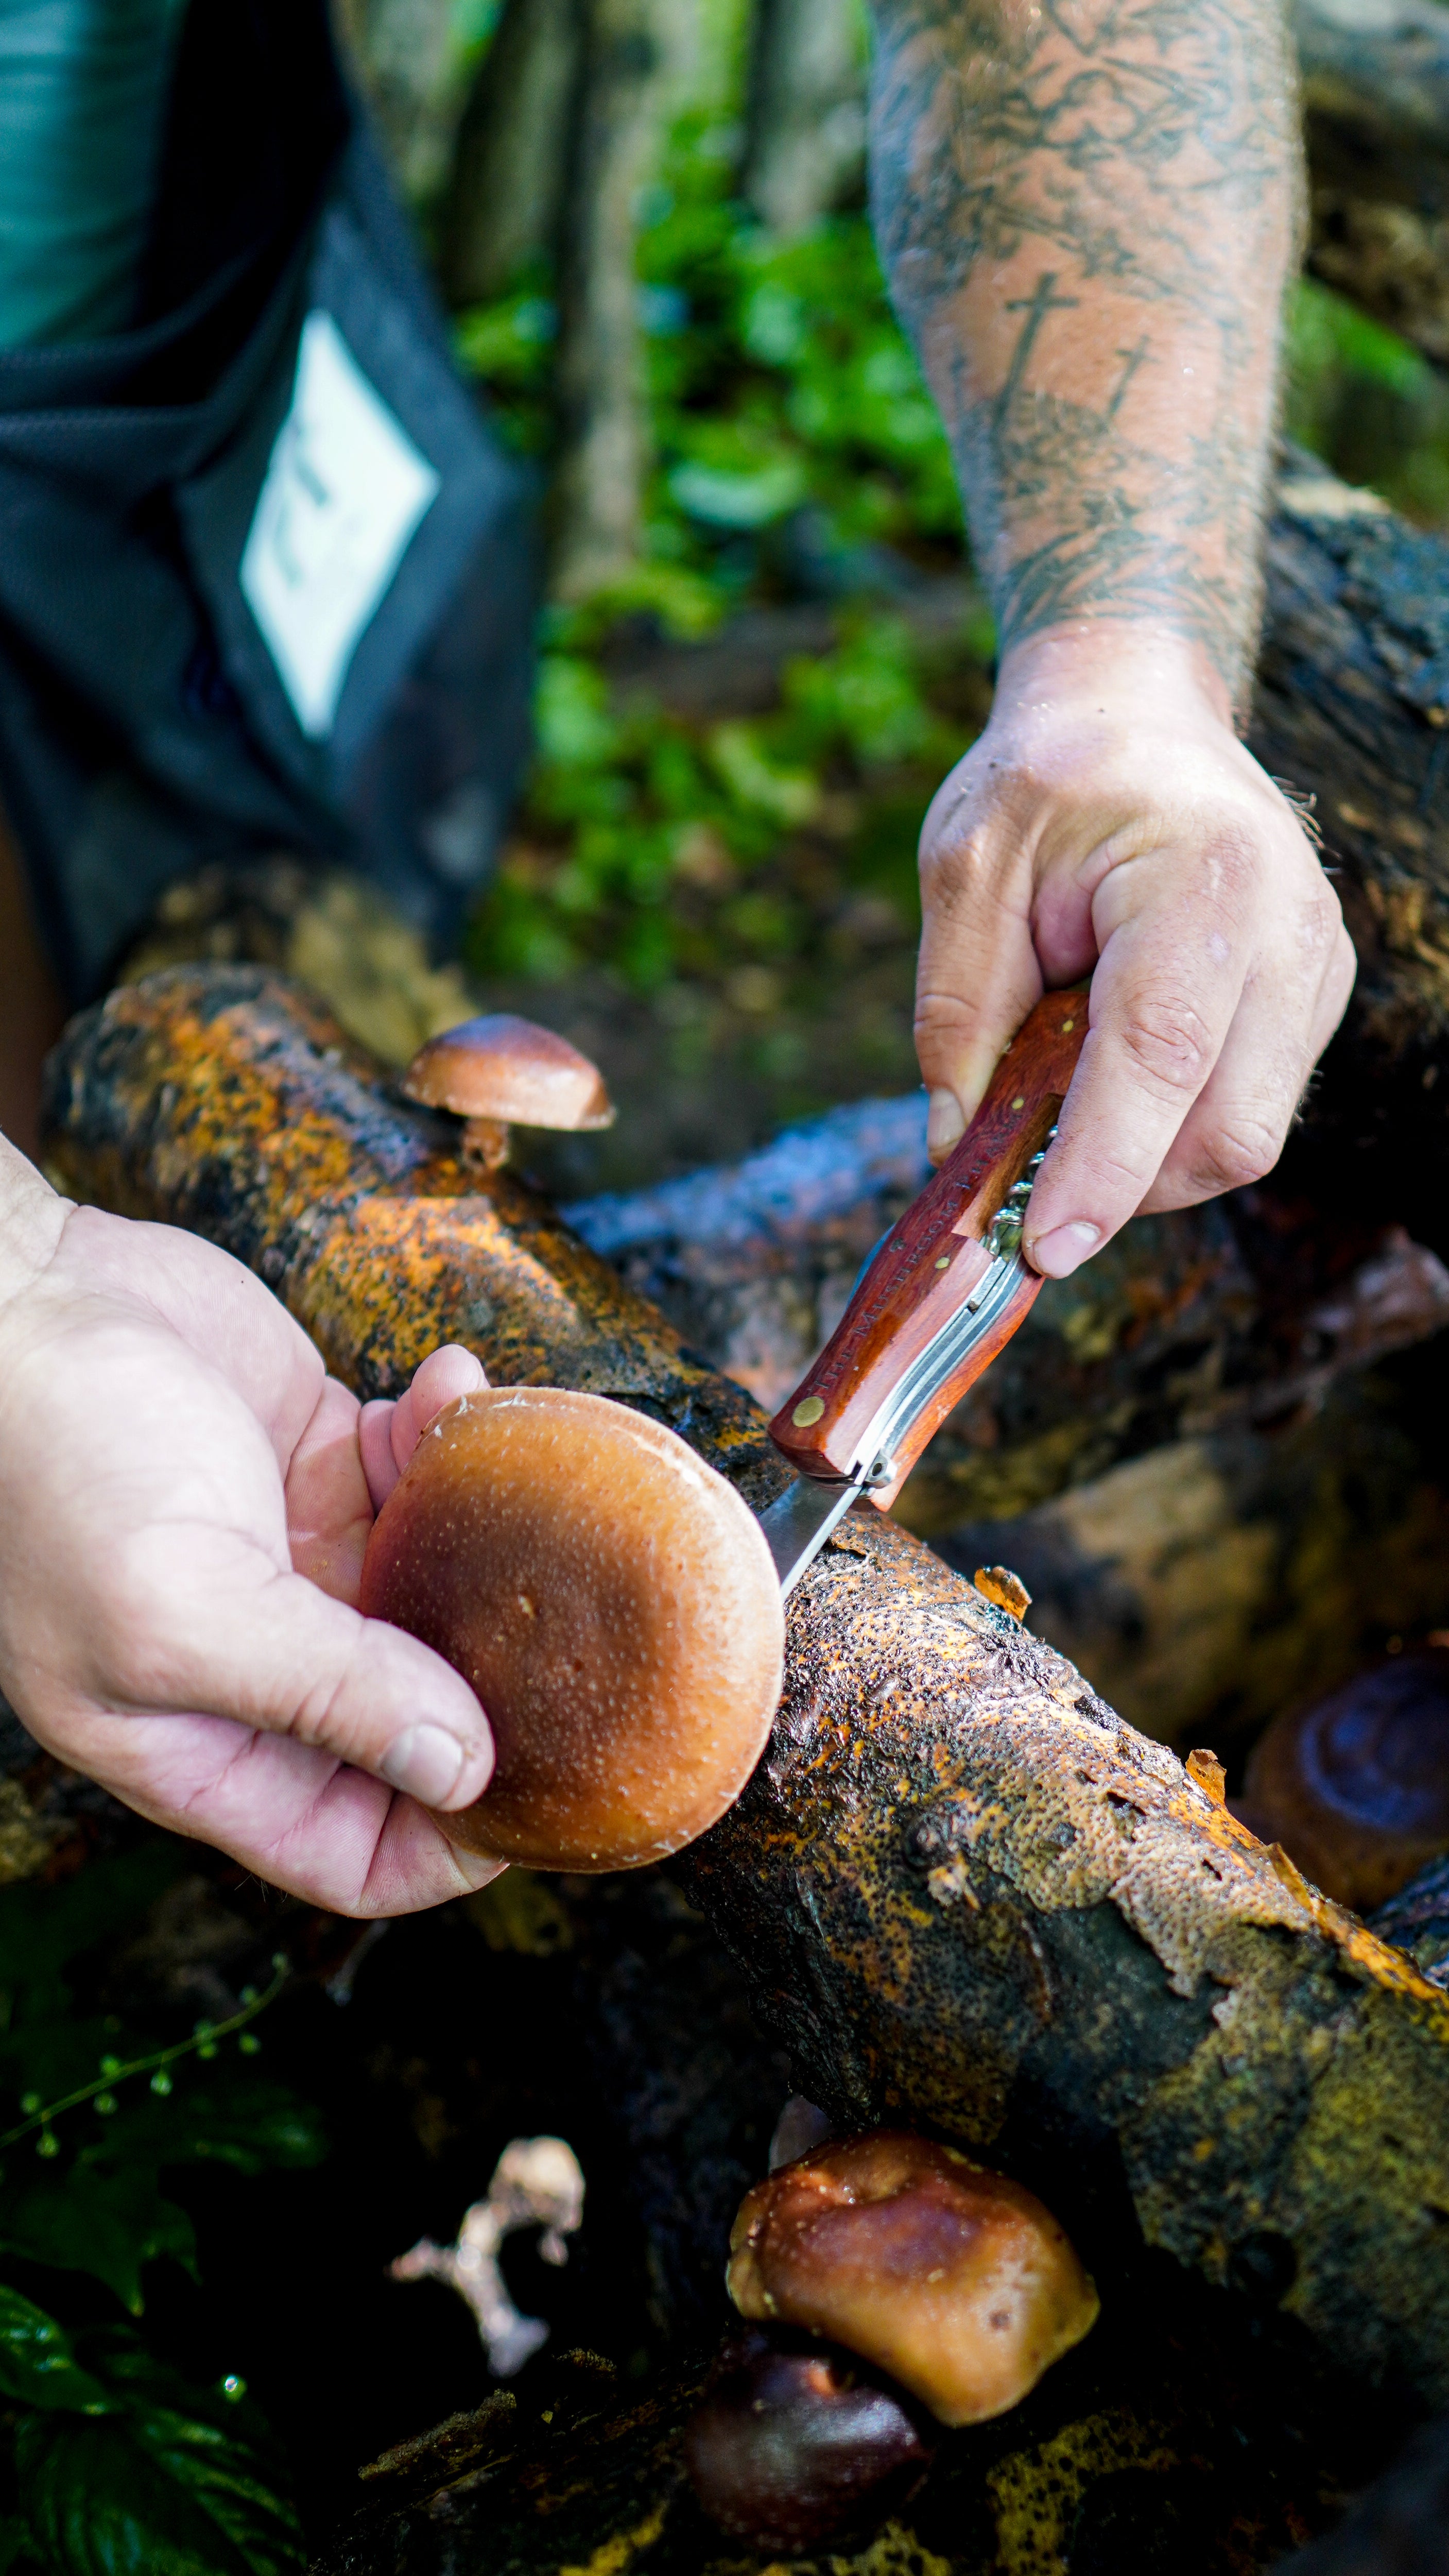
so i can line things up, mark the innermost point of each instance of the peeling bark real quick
(962, 1892)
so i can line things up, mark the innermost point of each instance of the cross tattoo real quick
(1132, 360)
(1035, 307)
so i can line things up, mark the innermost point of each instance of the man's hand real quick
(1109, 823)
(183, 1513)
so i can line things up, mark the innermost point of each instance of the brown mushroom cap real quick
(614, 1605)
(789, 2447)
(956, 2281)
(1356, 1787)
(499, 1066)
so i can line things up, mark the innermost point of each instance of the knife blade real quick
(939, 1298)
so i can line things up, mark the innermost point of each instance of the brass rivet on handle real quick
(808, 1410)
(1021, 1103)
(945, 1261)
(1067, 1027)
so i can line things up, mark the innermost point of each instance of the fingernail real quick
(424, 1763)
(944, 1123)
(1057, 1255)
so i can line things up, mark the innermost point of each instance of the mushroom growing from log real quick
(955, 2280)
(1356, 1787)
(791, 2444)
(614, 1605)
(498, 1072)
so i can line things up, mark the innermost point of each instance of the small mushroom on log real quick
(999, 1584)
(499, 1071)
(614, 1605)
(955, 2280)
(1356, 1787)
(792, 2444)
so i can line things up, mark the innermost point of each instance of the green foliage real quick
(664, 849)
(787, 408)
(119, 2463)
(171, 2480)
(1368, 403)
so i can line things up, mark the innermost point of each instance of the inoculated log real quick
(1228, 1316)
(961, 1891)
(1186, 2431)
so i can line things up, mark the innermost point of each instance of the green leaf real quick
(110, 2222)
(150, 2496)
(37, 2364)
(185, 2482)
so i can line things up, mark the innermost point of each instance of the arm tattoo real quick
(1087, 212)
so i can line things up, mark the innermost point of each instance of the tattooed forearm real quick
(1087, 212)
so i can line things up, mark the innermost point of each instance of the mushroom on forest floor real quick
(499, 1071)
(955, 2280)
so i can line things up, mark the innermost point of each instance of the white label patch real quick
(344, 493)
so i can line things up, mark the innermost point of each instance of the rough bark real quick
(805, 133)
(603, 455)
(1376, 111)
(506, 191)
(961, 1891)
(1240, 1313)
(1352, 707)
(1182, 2434)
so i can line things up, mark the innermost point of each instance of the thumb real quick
(267, 1648)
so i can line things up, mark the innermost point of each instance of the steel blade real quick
(799, 1521)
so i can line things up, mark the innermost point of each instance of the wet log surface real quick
(1185, 2435)
(1244, 1312)
(960, 1890)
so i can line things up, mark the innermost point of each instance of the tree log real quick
(1376, 115)
(506, 191)
(1237, 1314)
(961, 1891)
(1183, 2433)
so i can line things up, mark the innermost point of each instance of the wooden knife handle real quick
(930, 1263)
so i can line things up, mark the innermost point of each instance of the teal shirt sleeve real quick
(82, 98)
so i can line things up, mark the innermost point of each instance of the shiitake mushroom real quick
(615, 1607)
(954, 2280)
(1356, 1787)
(794, 2442)
(498, 1072)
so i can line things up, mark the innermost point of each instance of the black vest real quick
(266, 576)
